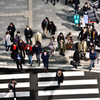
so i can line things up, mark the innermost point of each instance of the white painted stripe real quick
(14, 76)
(69, 92)
(79, 99)
(18, 85)
(69, 82)
(3, 63)
(18, 94)
(53, 74)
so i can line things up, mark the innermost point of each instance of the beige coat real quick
(84, 46)
(38, 37)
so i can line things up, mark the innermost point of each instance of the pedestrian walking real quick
(52, 29)
(28, 34)
(93, 57)
(45, 26)
(7, 41)
(29, 53)
(14, 50)
(21, 47)
(62, 48)
(54, 2)
(37, 50)
(59, 76)
(11, 28)
(19, 61)
(45, 59)
(77, 2)
(11, 86)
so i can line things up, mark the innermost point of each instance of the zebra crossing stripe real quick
(79, 99)
(14, 76)
(69, 92)
(18, 94)
(53, 74)
(18, 85)
(68, 82)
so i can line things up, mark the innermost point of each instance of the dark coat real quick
(60, 38)
(59, 78)
(53, 29)
(21, 46)
(93, 56)
(45, 58)
(86, 8)
(43, 25)
(12, 30)
(28, 33)
(13, 54)
(36, 50)
(83, 36)
(21, 60)
(76, 56)
(76, 1)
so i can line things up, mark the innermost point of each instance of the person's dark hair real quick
(11, 23)
(61, 33)
(18, 31)
(7, 32)
(86, 3)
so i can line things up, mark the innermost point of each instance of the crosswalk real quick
(74, 87)
(22, 87)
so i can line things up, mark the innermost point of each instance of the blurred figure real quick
(45, 59)
(70, 41)
(54, 2)
(11, 86)
(11, 28)
(86, 7)
(76, 57)
(53, 28)
(28, 34)
(21, 46)
(37, 50)
(17, 37)
(45, 26)
(82, 47)
(59, 76)
(19, 61)
(62, 48)
(7, 41)
(29, 53)
(93, 57)
(52, 45)
(14, 49)
(77, 2)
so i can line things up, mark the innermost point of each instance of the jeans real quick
(30, 58)
(92, 63)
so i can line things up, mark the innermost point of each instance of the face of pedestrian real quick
(92, 51)
(45, 53)
(20, 41)
(13, 81)
(36, 45)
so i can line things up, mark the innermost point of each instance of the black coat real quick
(45, 58)
(28, 33)
(36, 50)
(44, 25)
(76, 56)
(12, 30)
(76, 1)
(53, 29)
(83, 36)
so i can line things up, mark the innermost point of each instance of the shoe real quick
(93, 66)
(57, 0)
(44, 68)
(31, 65)
(53, 4)
(90, 69)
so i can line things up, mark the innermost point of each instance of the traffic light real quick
(76, 19)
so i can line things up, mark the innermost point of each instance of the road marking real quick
(18, 85)
(79, 99)
(53, 74)
(69, 82)
(14, 76)
(69, 92)
(18, 94)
